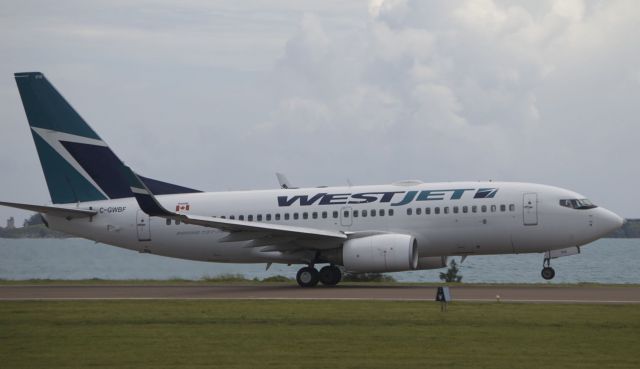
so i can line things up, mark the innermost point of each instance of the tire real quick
(330, 275)
(308, 277)
(548, 273)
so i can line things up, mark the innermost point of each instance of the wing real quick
(278, 237)
(69, 213)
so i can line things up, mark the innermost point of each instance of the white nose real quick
(608, 221)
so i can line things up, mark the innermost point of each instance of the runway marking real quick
(318, 299)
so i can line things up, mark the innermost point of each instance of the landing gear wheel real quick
(330, 275)
(548, 273)
(307, 277)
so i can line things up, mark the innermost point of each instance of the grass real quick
(315, 334)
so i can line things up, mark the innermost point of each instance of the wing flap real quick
(240, 225)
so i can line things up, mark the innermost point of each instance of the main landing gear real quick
(309, 276)
(547, 271)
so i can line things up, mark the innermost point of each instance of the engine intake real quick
(380, 253)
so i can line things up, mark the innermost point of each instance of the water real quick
(604, 261)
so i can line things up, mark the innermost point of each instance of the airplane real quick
(403, 226)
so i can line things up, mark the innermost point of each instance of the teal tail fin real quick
(77, 164)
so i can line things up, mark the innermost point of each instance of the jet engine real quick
(380, 253)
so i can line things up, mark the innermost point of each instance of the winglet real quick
(147, 202)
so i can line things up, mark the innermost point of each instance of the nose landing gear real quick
(547, 271)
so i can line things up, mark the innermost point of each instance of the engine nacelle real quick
(432, 262)
(380, 253)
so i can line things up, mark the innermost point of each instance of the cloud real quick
(221, 95)
(491, 89)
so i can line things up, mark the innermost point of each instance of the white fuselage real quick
(445, 218)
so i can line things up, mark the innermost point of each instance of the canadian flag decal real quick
(183, 206)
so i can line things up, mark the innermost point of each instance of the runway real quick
(546, 294)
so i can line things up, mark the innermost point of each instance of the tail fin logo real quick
(57, 140)
(78, 166)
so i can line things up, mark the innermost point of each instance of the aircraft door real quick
(143, 225)
(530, 209)
(346, 215)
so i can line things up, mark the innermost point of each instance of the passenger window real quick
(346, 214)
(503, 207)
(335, 214)
(390, 212)
(381, 212)
(436, 210)
(484, 208)
(409, 211)
(250, 218)
(305, 215)
(232, 217)
(324, 215)
(286, 216)
(355, 213)
(240, 217)
(168, 221)
(474, 209)
(373, 212)
(364, 213)
(295, 216)
(268, 217)
(493, 208)
(512, 207)
(446, 210)
(259, 217)
(455, 210)
(418, 211)
(223, 217)
(278, 216)
(465, 209)
(427, 211)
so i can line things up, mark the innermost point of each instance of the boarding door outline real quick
(143, 226)
(530, 209)
(346, 220)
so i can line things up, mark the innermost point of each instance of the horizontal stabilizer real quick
(53, 210)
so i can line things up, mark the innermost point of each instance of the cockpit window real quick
(580, 204)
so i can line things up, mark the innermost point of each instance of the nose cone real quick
(608, 221)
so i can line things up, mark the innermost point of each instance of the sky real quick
(220, 95)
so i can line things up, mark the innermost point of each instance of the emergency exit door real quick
(346, 216)
(530, 209)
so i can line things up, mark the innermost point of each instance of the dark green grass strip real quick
(316, 334)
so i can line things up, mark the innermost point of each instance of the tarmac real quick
(526, 294)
